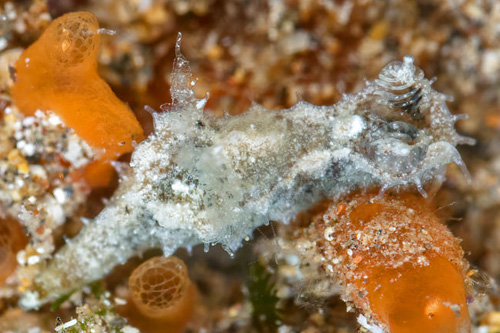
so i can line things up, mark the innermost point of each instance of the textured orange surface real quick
(162, 296)
(59, 73)
(415, 298)
(401, 266)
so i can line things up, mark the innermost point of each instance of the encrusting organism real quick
(58, 73)
(12, 239)
(399, 265)
(161, 296)
(199, 179)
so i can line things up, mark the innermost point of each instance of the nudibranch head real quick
(412, 137)
(401, 85)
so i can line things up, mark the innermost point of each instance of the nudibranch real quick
(198, 179)
(58, 73)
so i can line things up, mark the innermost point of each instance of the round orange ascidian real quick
(401, 267)
(161, 296)
(59, 73)
(12, 240)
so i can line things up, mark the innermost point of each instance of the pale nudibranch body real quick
(198, 179)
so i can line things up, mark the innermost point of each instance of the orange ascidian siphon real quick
(161, 297)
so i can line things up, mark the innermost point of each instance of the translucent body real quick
(401, 267)
(162, 295)
(12, 239)
(199, 179)
(59, 73)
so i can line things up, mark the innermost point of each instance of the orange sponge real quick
(400, 266)
(59, 73)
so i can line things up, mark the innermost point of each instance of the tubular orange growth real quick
(401, 267)
(163, 294)
(59, 73)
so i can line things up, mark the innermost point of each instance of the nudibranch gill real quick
(199, 179)
(59, 73)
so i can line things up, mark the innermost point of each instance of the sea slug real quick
(198, 179)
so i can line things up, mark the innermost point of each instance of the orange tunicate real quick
(12, 240)
(59, 73)
(415, 298)
(163, 294)
(401, 267)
